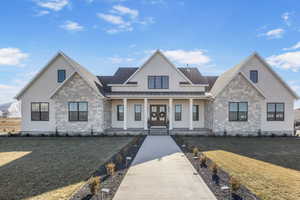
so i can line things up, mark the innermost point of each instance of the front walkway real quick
(160, 171)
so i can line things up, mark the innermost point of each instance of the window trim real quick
(78, 120)
(161, 82)
(180, 118)
(276, 120)
(40, 112)
(135, 112)
(238, 111)
(58, 71)
(197, 112)
(118, 112)
(254, 71)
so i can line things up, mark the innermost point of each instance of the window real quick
(178, 111)
(158, 82)
(120, 112)
(61, 75)
(238, 111)
(78, 111)
(275, 111)
(40, 111)
(254, 76)
(195, 112)
(137, 112)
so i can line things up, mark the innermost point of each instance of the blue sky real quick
(103, 35)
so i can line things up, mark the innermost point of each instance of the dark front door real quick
(158, 115)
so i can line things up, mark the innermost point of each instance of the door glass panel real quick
(153, 108)
(162, 109)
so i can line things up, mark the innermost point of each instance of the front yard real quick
(51, 168)
(269, 167)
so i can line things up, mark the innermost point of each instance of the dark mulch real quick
(111, 182)
(206, 173)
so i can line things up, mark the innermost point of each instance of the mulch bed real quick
(111, 182)
(206, 173)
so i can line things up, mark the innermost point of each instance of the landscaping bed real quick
(206, 172)
(106, 180)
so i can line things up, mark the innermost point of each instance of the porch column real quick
(191, 114)
(125, 113)
(170, 114)
(145, 113)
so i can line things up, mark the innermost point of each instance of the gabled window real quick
(178, 112)
(254, 76)
(137, 112)
(195, 112)
(158, 82)
(61, 75)
(238, 111)
(78, 111)
(120, 112)
(40, 111)
(275, 111)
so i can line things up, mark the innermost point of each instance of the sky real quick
(103, 35)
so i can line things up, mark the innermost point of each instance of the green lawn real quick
(269, 167)
(49, 167)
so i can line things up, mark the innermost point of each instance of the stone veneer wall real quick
(237, 90)
(75, 90)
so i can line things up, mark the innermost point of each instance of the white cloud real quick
(8, 92)
(12, 56)
(114, 19)
(194, 57)
(294, 47)
(155, 2)
(122, 10)
(72, 26)
(288, 61)
(55, 5)
(42, 13)
(286, 18)
(274, 34)
(117, 60)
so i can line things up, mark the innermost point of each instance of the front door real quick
(158, 115)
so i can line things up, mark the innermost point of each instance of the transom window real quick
(120, 112)
(254, 76)
(178, 112)
(238, 111)
(275, 111)
(78, 111)
(158, 82)
(40, 111)
(137, 112)
(61, 75)
(195, 112)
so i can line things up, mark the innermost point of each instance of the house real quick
(248, 99)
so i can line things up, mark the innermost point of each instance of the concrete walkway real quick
(160, 171)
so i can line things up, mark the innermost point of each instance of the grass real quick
(12, 125)
(269, 167)
(51, 168)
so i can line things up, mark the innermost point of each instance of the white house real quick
(248, 99)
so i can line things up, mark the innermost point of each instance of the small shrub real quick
(110, 168)
(95, 184)
(195, 151)
(234, 183)
(119, 159)
(214, 168)
(203, 160)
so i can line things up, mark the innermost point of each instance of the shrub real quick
(234, 183)
(119, 159)
(214, 168)
(95, 184)
(195, 151)
(110, 168)
(203, 160)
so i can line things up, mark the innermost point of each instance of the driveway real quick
(160, 171)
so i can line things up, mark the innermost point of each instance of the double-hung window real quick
(120, 112)
(238, 111)
(178, 112)
(195, 112)
(137, 112)
(40, 111)
(158, 82)
(78, 111)
(275, 111)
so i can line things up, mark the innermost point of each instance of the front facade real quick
(248, 99)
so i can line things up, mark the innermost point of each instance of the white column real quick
(125, 113)
(191, 114)
(170, 113)
(145, 113)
